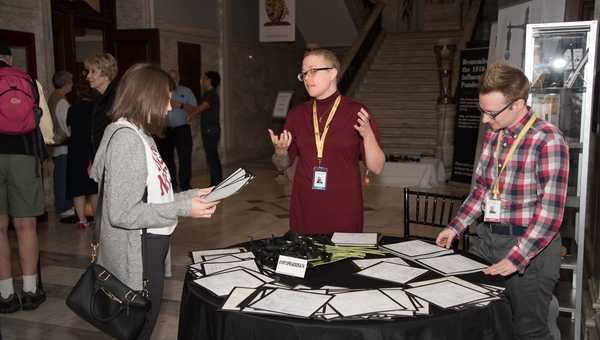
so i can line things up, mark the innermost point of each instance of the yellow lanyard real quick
(513, 147)
(320, 140)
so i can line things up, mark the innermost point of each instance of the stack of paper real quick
(222, 283)
(354, 239)
(198, 255)
(210, 264)
(229, 186)
(362, 264)
(453, 292)
(452, 264)
(392, 272)
(326, 304)
(415, 249)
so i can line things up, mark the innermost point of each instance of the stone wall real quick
(33, 16)
(257, 72)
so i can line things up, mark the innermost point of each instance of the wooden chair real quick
(426, 211)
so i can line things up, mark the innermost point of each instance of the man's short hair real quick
(506, 79)
(329, 57)
(106, 63)
(214, 77)
(62, 78)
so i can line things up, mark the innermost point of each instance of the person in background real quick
(328, 136)
(59, 106)
(137, 186)
(80, 187)
(21, 191)
(178, 135)
(209, 122)
(520, 191)
(101, 73)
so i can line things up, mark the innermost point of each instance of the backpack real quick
(19, 102)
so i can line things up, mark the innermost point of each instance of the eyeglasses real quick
(311, 72)
(494, 114)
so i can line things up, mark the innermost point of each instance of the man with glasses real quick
(519, 195)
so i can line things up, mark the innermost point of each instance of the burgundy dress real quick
(340, 206)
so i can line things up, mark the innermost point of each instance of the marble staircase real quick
(401, 89)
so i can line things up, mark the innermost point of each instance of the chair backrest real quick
(429, 210)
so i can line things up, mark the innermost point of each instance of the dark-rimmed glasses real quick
(302, 75)
(494, 114)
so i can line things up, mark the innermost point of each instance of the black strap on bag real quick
(102, 299)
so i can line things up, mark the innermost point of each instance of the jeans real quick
(210, 139)
(180, 139)
(61, 203)
(533, 305)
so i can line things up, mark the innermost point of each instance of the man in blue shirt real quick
(178, 135)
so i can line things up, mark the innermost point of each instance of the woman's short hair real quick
(106, 63)
(329, 57)
(142, 97)
(506, 79)
(62, 78)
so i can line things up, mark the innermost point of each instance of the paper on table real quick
(447, 294)
(363, 302)
(452, 264)
(400, 296)
(197, 255)
(231, 185)
(237, 295)
(362, 264)
(222, 284)
(240, 256)
(392, 272)
(292, 302)
(355, 239)
(454, 279)
(416, 249)
(213, 267)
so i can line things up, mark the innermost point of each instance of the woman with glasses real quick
(327, 137)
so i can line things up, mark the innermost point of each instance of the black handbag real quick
(103, 300)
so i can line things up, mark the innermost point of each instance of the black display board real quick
(468, 118)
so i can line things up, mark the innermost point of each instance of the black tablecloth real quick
(200, 317)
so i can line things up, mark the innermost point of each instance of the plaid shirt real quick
(533, 186)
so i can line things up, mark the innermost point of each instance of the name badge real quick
(291, 266)
(492, 210)
(319, 178)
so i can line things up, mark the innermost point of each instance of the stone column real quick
(225, 41)
(446, 114)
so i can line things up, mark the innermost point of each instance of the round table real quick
(200, 317)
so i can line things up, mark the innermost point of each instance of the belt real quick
(505, 229)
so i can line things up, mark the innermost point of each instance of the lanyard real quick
(513, 147)
(320, 140)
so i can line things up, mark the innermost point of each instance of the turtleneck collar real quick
(329, 99)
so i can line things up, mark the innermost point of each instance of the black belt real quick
(505, 229)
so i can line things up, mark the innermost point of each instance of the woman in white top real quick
(137, 186)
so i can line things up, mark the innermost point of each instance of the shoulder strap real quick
(98, 226)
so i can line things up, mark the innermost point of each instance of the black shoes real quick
(31, 301)
(10, 305)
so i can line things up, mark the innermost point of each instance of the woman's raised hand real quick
(282, 142)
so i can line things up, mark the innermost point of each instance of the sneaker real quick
(31, 301)
(10, 304)
(67, 213)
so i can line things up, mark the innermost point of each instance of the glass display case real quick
(560, 63)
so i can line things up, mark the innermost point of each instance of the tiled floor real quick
(259, 211)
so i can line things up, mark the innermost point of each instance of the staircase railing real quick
(361, 47)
